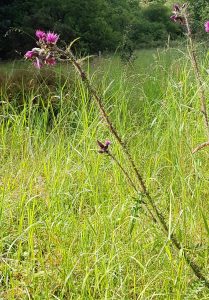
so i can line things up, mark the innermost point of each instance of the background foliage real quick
(102, 25)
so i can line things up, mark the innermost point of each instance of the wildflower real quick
(173, 18)
(103, 147)
(41, 35)
(176, 8)
(51, 38)
(178, 14)
(45, 52)
(50, 61)
(207, 26)
(30, 54)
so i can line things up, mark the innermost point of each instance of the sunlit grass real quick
(66, 211)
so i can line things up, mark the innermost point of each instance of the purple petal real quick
(52, 38)
(176, 7)
(207, 26)
(107, 143)
(41, 35)
(29, 54)
(50, 61)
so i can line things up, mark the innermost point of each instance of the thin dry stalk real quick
(201, 146)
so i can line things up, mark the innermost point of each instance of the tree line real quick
(102, 25)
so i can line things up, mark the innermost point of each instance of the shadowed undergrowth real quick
(66, 211)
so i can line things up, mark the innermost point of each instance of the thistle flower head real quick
(45, 52)
(30, 54)
(50, 61)
(207, 26)
(41, 35)
(178, 14)
(176, 7)
(103, 147)
(51, 38)
(173, 18)
(107, 143)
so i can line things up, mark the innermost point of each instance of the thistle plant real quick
(45, 52)
(181, 16)
(48, 53)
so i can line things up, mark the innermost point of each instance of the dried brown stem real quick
(156, 212)
(200, 147)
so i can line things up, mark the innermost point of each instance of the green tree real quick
(100, 24)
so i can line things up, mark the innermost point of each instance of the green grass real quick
(66, 211)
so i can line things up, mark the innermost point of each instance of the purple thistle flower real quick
(107, 143)
(50, 61)
(30, 54)
(174, 18)
(178, 19)
(51, 38)
(103, 147)
(176, 8)
(207, 26)
(44, 54)
(41, 35)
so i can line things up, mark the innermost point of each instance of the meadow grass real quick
(66, 211)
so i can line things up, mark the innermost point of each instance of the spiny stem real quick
(161, 219)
